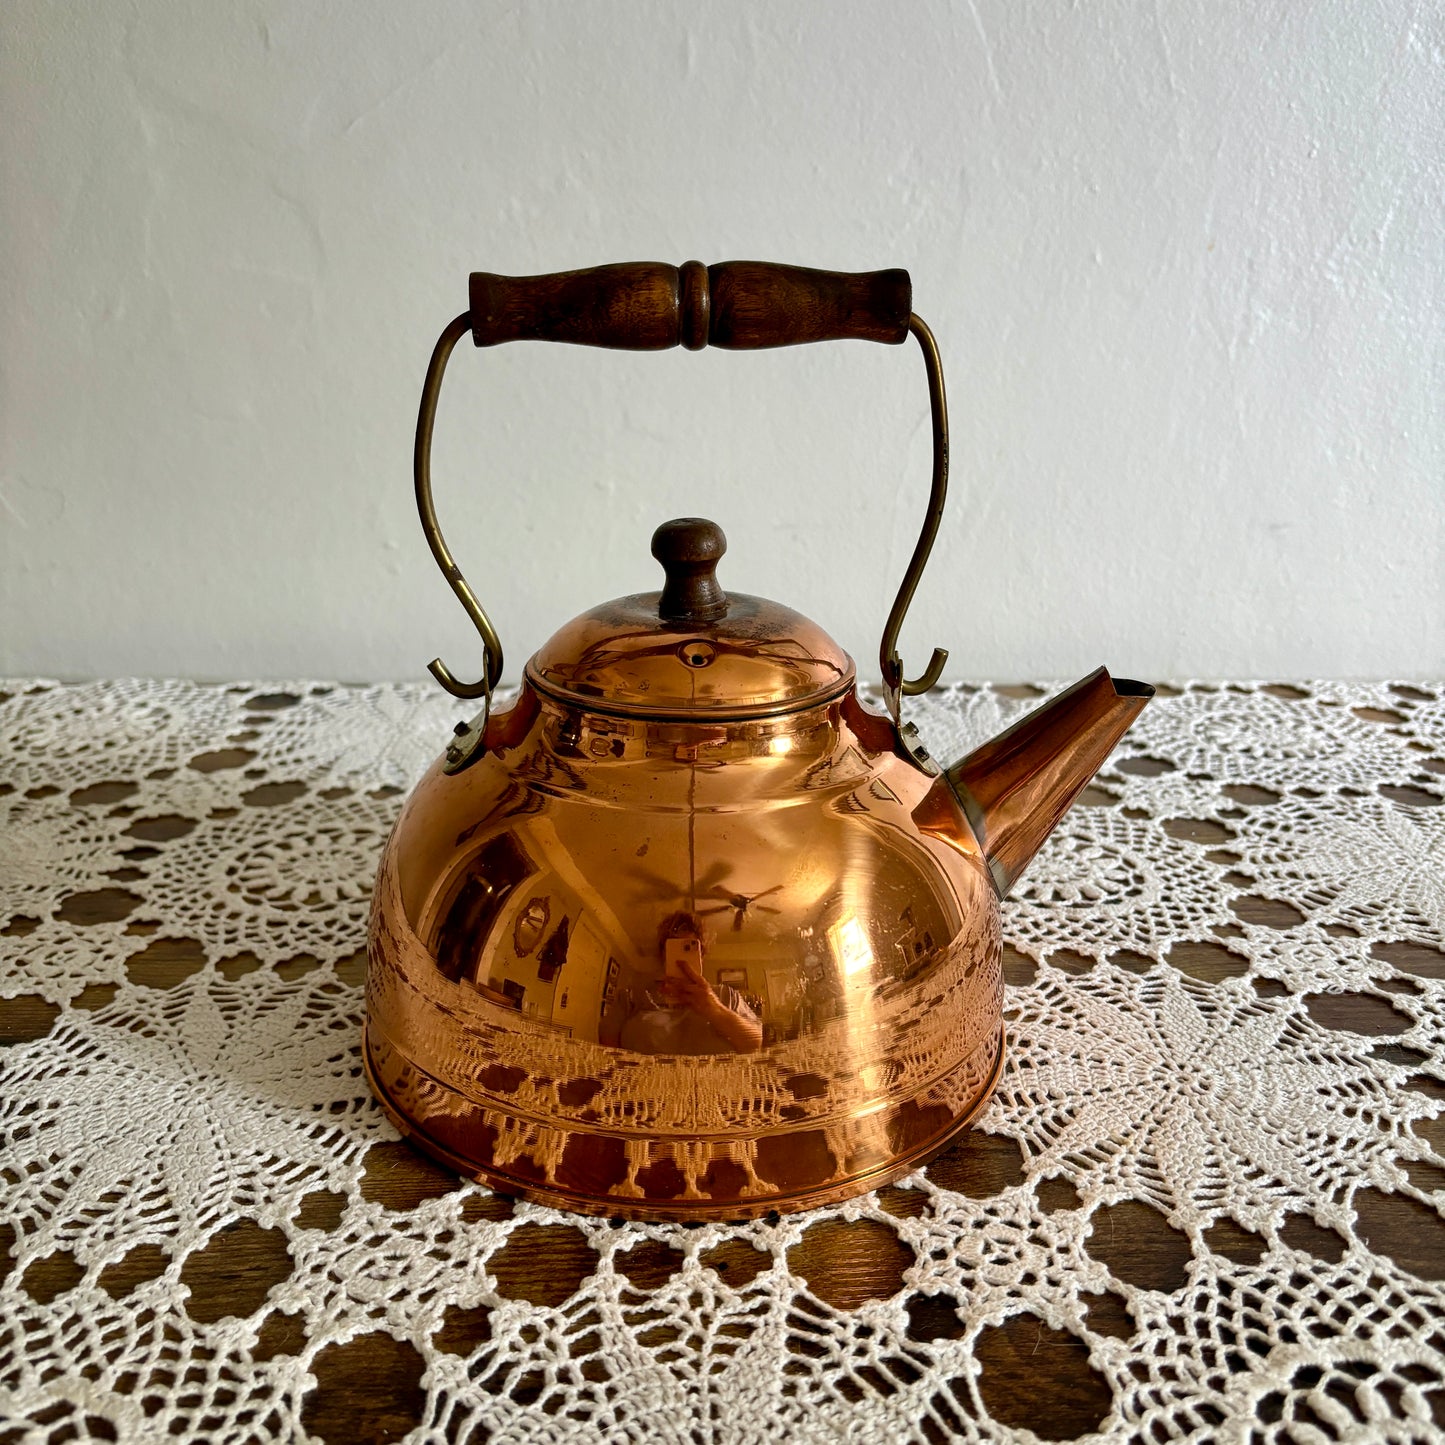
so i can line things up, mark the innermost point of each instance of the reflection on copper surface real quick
(721, 956)
(681, 1012)
(850, 945)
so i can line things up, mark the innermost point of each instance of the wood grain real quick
(651, 306)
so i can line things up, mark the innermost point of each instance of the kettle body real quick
(520, 1027)
(688, 930)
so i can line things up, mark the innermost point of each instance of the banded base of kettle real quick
(599, 1177)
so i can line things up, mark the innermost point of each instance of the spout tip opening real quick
(1127, 687)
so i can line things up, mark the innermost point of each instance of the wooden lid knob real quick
(690, 549)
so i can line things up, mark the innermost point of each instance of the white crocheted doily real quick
(1300, 828)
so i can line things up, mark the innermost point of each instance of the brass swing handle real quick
(651, 306)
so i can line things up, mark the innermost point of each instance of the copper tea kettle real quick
(687, 931)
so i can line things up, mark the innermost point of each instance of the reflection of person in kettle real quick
(682, 1013)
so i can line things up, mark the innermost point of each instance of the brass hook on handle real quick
(421, 465)
(894, 684)
(651, 306)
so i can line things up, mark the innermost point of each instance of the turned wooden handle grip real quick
(650, 306)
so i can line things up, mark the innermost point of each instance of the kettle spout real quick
(1016, 787)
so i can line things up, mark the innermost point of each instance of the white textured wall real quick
(1184, 261)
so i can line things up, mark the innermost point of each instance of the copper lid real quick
(692, 650)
